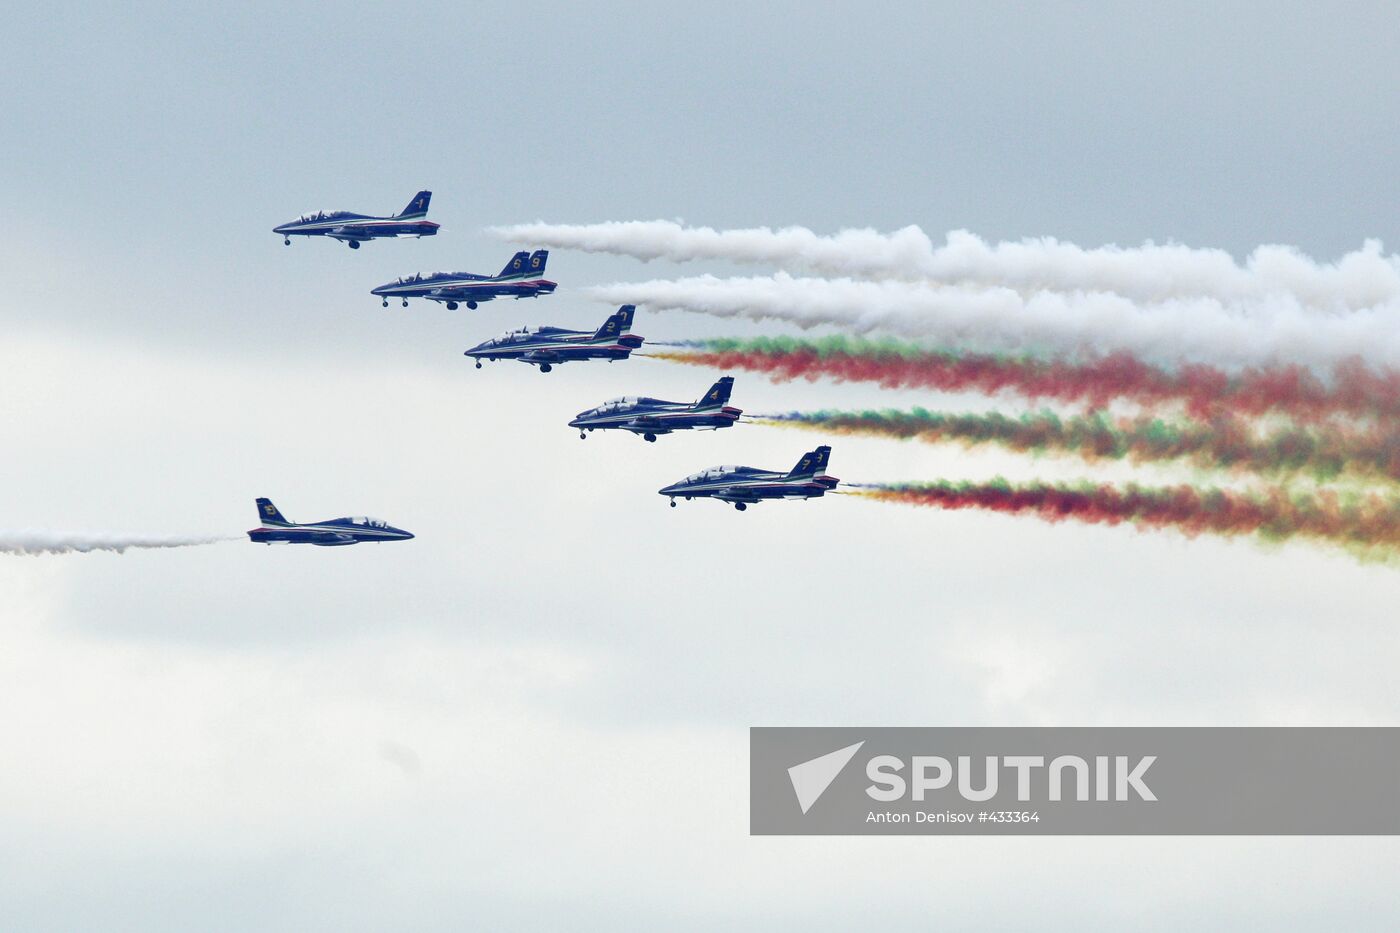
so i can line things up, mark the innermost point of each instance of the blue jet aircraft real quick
(549, 345)
(652, 416)
(337, 532)
(744, 486)
(354, 229)
(521, 278)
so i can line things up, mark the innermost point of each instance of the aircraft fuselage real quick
(651, 417)
(453, 288)
(742, 486)
(550, 345)
(334, 533)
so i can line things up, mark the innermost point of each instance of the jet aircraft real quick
(521, 278)
(652, 416)
(337, 532)
(354, 229)
(742, 486)
(549, 345)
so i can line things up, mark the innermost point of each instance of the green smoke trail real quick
(1368, 526)
(1224, 441)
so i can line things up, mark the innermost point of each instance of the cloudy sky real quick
(535, 714)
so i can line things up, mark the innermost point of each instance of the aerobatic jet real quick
(354, 229)
(652, 416)
(546, 346)
(742, 486)
(521, 278)
(337, 532)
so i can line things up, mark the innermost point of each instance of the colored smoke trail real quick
(1149, 273)
(1352, 388)
(1261, 332)
(1368, 524)
(1222, 442)
(54, 542)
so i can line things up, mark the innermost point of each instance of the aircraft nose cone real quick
(576, 423)
(407, 535)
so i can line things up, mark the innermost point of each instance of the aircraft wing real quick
(473, 292)
(564, 351)
(348, 233)
(333, 540)
(644, 424)
(458, 294)
(735, 494)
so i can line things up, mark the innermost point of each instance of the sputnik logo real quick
(810, 779)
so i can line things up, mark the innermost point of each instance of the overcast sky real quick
(535, 714)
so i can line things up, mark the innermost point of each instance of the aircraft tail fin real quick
(269, 515)
(811, 463)
(718, 396)
(617, 324)
(418, 206)
(516, 265)
(537, 261)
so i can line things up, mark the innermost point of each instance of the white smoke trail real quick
(1150, 273)
(1278, 330)
(55, 542)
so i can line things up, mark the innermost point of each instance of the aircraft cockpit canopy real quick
(514, 336)
(322, 215)
(713, 473)
(368, 522)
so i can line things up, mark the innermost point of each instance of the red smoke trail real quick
(1369, 525)
(1354, 387)
(1224, 441)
